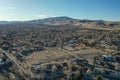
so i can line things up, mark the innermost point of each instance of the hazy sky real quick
(80, 9)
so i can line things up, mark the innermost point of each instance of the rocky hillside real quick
(68, 22)
(76, 22)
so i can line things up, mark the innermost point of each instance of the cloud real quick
(44, 16)
(9, 17)
(5, 18)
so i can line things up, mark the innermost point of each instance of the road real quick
(13, 59)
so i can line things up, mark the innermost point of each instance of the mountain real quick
(67, 21)
(54, 21)
(9, 22)
(3, 22)
(75, 22)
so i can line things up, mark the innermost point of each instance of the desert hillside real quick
(59, 48)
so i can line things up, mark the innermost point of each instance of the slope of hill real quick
(75, 22)
(67, 21)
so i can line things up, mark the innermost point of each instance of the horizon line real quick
(58, 17)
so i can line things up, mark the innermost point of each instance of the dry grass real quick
(46, 56)
(56, 54)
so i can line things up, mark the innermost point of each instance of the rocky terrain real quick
(60, 48)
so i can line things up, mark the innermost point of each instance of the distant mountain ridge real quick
(67, 21)
(9, 22)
